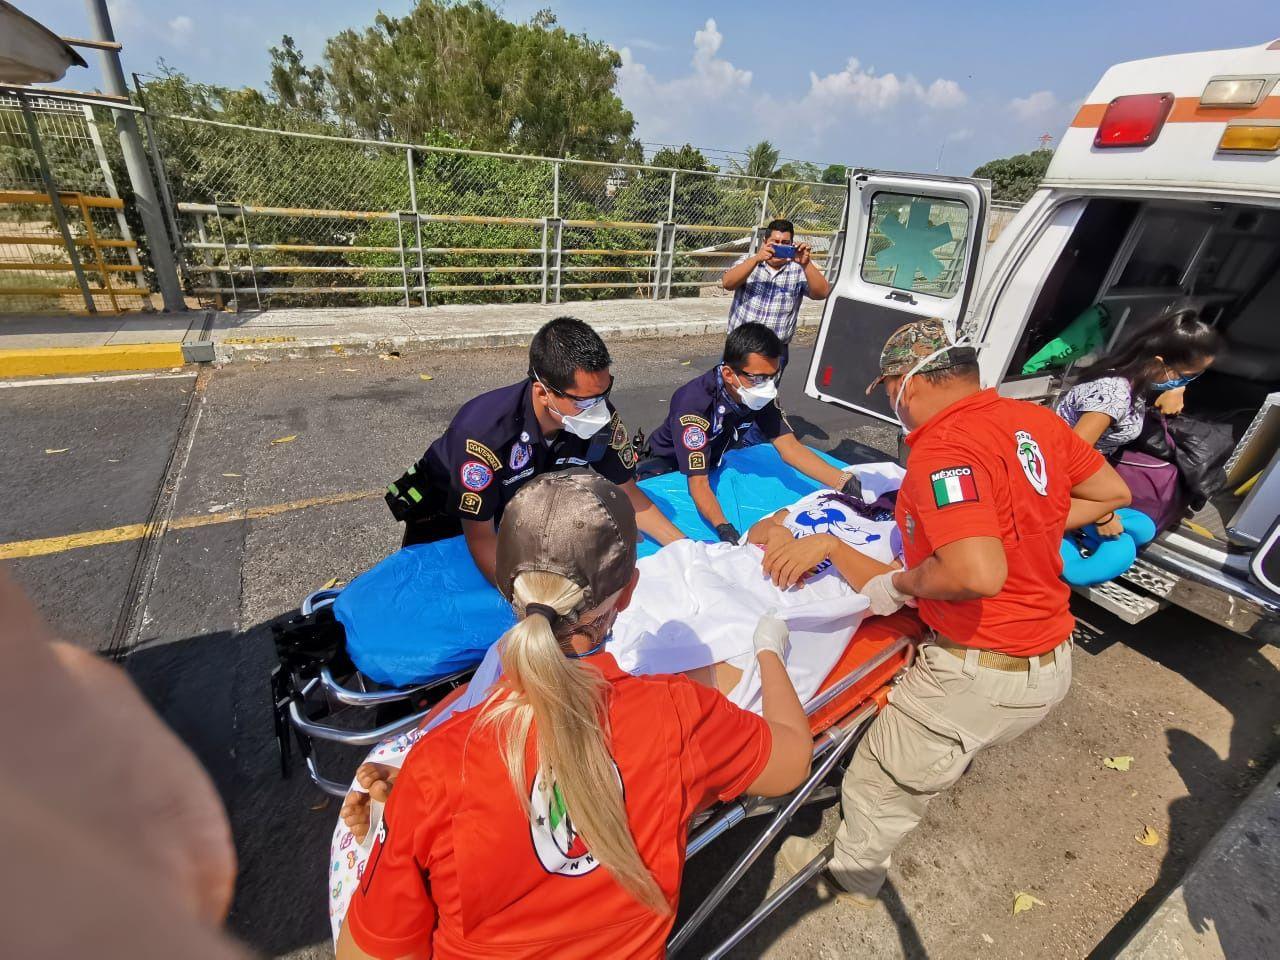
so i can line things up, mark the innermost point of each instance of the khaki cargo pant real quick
(939, 716)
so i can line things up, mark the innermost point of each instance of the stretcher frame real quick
(838, 715)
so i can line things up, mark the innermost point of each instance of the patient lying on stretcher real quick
(693, 612)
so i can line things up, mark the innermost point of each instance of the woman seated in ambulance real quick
(602, 770)
(1108, 405)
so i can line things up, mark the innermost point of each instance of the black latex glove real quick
(853, 487)
(728, 533)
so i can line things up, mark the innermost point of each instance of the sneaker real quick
(798, 852)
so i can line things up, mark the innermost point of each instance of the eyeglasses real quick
(582, 403)
(754, 379)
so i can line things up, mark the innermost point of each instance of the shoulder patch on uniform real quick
(628, 456)
(478, 449)
(694, 437)
(697, 461)
(1032, 461)
(693, 420)
(953, 485)
(475, 475)
(470, 503)
(521, 453)
(618, 438)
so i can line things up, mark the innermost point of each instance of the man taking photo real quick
(769, 284)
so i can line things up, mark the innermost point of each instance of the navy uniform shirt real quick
(494, 446)
(702, 423)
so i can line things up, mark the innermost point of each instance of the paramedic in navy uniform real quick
(558, 417)
(707, 415)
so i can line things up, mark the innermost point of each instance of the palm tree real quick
(761, 161)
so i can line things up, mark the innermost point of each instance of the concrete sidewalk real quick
(33, 345)
(1228, 905)
(44, 346)
(303, 332)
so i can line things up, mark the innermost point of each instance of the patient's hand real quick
(789, 562)
(377, 779)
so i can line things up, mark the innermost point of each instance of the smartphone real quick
(784, 251)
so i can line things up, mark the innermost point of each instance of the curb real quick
(1224, 907)
(56, 361)
(287, 348)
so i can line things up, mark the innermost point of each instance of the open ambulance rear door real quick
(913, 249)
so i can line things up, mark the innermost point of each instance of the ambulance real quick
(1165, 190)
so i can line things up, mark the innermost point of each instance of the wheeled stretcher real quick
(347, 681)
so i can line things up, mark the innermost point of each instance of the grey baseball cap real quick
(574, 523)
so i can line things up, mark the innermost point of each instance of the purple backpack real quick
(1155, 485)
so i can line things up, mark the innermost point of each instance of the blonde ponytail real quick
(566, 698)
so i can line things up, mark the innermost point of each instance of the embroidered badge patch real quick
(628, 456)
(697, 461)
(470, 503)
(694, 437)
(520, 454)
(477, 449)
(953, 485)
(475, 475)
(1032, 461)
(618, 439)
(692, 419)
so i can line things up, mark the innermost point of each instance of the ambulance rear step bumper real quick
(1164, 576)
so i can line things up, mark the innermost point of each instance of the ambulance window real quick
(1164, 251)
(916, 243)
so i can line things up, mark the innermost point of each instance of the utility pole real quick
(135, 161)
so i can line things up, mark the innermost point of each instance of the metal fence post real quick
(417, 221)
(404, 267)
(122, 222)
(135, 161)
(557, 254)
(659, 245)
(555, 190)
(55, 203)
(545, 276)
(226, 256)
(671, 259)
(764, 203)
(166, 194)
(208, 260)
(671, 198)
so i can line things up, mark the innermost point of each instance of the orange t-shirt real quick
(988, 466)
(458, 869)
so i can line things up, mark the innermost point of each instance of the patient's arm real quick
(768, 530)
(856, 567)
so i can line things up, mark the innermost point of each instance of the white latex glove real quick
(884, 596)
(772, 634)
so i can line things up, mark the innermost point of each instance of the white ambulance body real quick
(1165, 190)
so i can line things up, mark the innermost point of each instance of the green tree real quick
(462, 68)
(761, 161)
(835, 173)
(1016, 178)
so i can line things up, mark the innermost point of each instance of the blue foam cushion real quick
(426, 612)
(1107, 559)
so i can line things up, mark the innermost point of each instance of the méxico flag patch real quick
(953, 485)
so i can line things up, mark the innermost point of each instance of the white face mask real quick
(757, 398)
(587, 423)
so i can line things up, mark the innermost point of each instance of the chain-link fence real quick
(268, 215)
(55, 174)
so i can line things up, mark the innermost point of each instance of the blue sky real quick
(888, 85)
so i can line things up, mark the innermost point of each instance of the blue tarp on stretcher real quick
(426, 612)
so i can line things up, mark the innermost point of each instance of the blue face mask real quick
(1173, 384)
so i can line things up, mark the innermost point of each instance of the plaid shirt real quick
(769, 298)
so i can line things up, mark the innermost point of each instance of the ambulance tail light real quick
(1133, 121)
(826, 375)
(1253, 137)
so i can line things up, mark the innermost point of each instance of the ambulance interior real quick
(1138, 258)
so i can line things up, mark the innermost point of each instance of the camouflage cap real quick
(914, 341)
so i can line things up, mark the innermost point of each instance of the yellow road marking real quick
(136, 531)
(54, 361)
